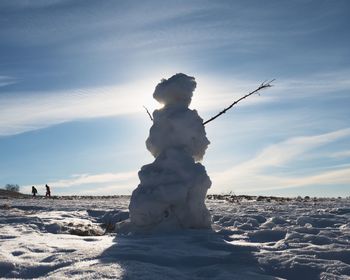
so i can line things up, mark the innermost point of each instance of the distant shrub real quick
(12, 187)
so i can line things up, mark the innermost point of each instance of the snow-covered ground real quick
(59, 239)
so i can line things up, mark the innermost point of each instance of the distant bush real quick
(12, 187)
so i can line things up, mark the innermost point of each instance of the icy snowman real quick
(172, 190)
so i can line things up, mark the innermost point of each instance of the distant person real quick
(34, 191)
(48, 191)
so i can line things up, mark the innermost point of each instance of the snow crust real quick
(249, 240)
(173, 188)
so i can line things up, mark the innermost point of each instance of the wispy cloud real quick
(249, 176)
(114, 189)
(22, 112)
(103, 183)
(6, 80)
(252, 175)
(342, 154)
(25, 111)
(321, 84)
(83, 179)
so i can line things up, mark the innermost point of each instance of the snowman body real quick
(172, 190)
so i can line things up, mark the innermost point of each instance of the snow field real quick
(60, 239)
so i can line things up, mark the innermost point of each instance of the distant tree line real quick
(12, 187)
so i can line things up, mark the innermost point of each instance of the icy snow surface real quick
(59, 239)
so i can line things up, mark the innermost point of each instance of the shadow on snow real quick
(190, 254)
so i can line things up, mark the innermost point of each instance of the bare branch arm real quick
(264, 85)
(149, 114)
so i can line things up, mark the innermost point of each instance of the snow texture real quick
(250, 240)
(173, 188)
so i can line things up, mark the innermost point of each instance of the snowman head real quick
(177, 90)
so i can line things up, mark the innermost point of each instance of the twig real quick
(264, 85)
(149, 114)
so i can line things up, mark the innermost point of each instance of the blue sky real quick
(75, 74)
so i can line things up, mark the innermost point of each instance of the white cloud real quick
(248, 176)
(26, 111)
(103, 183)
(218, 92)
(23, 112)
(334, 177)
(114, 189)
(6, 80)
(323, 84)
(342, 154)
(251, 175)
(84, 179)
